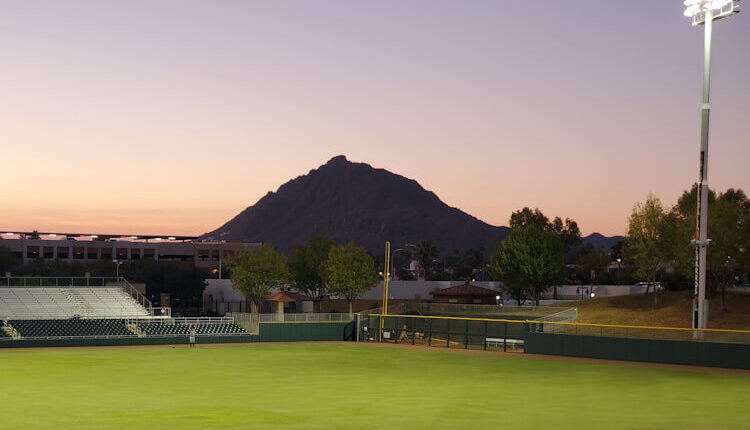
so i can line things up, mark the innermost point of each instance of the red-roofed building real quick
(466, 294)
(280, 299)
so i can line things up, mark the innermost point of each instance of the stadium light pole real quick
(704, 12)
(117, 269)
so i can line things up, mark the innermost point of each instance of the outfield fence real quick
(444, 331)
(251, 322)
(641, 332)
(485, 333)
(567, 315)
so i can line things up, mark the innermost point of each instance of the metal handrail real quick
(140, 298)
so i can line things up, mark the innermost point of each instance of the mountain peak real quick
(347, 201)
(337, 160)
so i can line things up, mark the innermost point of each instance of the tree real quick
(729, 230)
(650, 241)
(8, 260)
(254, 271)
(307, 267)
(349, 271)
(425, 253)
(527, 217)
(530, 257)
(568, 231)
(591, 260)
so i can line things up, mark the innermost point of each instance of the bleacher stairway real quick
(75, 297)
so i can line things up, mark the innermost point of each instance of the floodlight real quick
(53, 235)
(697, 9)
(93, 236)
(134, 237)
(171, 238)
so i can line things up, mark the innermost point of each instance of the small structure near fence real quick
(467, 293)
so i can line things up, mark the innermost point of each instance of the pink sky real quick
(171, 117)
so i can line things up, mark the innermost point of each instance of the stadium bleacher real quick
(37, 302)
(166, 329)
(86, 312)
(70, 328)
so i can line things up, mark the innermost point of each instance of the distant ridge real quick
(346, 201)
(601, 241)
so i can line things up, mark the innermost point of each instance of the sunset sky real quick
(146, 117)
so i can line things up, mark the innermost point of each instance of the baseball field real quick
(338, 386)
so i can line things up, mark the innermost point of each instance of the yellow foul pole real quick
(386, 276)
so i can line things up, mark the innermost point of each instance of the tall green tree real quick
(349, 271)
(527, 217)
(567, 231)
(254, 271)
(425, 253)
(650, 240)
(728, 258)
(530, 257)
(307, 267)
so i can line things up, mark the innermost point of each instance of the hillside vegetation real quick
(675, 310)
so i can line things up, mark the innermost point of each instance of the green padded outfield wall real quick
(304, 331)
(713, 354)
(268, 332)
(124, 341)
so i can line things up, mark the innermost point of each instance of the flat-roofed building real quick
(91, 247)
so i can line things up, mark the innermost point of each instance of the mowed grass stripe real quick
(347, 386)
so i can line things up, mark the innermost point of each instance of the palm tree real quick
(425, 253)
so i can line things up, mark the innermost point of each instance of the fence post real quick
(466, 335)
(448, 336)
(356, 328)
(429, 334)
(484, 346)
(505, 336)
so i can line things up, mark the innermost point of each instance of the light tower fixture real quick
(704, 12)
(698, 9)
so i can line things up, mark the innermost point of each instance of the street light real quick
(117, 268)
(704, 12)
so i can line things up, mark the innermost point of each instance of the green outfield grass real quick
(352, 387)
